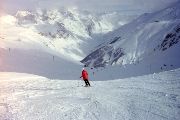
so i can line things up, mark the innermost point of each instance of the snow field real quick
(151, 97)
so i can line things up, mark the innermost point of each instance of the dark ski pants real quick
(87, 82)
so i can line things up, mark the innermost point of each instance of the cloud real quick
(91, 5)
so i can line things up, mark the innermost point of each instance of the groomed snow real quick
(30, 97)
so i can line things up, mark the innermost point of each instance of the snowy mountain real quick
(59, 38)
(153, 38)
(146, 45)
(68, 31)
(78, 23)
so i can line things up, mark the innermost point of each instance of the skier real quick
(85, 77)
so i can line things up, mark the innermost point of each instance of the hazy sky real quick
(92, 5)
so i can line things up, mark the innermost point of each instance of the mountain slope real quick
(156, 96)
(46, 41)
(133, 42)
(69, 32)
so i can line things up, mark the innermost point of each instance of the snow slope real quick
(22, 50)
(149, 44)
(151, 37)
(151, 97)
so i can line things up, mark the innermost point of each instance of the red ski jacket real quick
(84, 75)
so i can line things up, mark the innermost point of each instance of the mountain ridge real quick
(142, 33)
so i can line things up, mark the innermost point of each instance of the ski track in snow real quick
(29, 97)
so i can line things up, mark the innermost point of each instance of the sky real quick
(90, 5)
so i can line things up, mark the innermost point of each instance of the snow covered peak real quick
(140, 40)
(101, 22)
(68, 31)
(23, 13)
(170, 13)
(25, 17)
